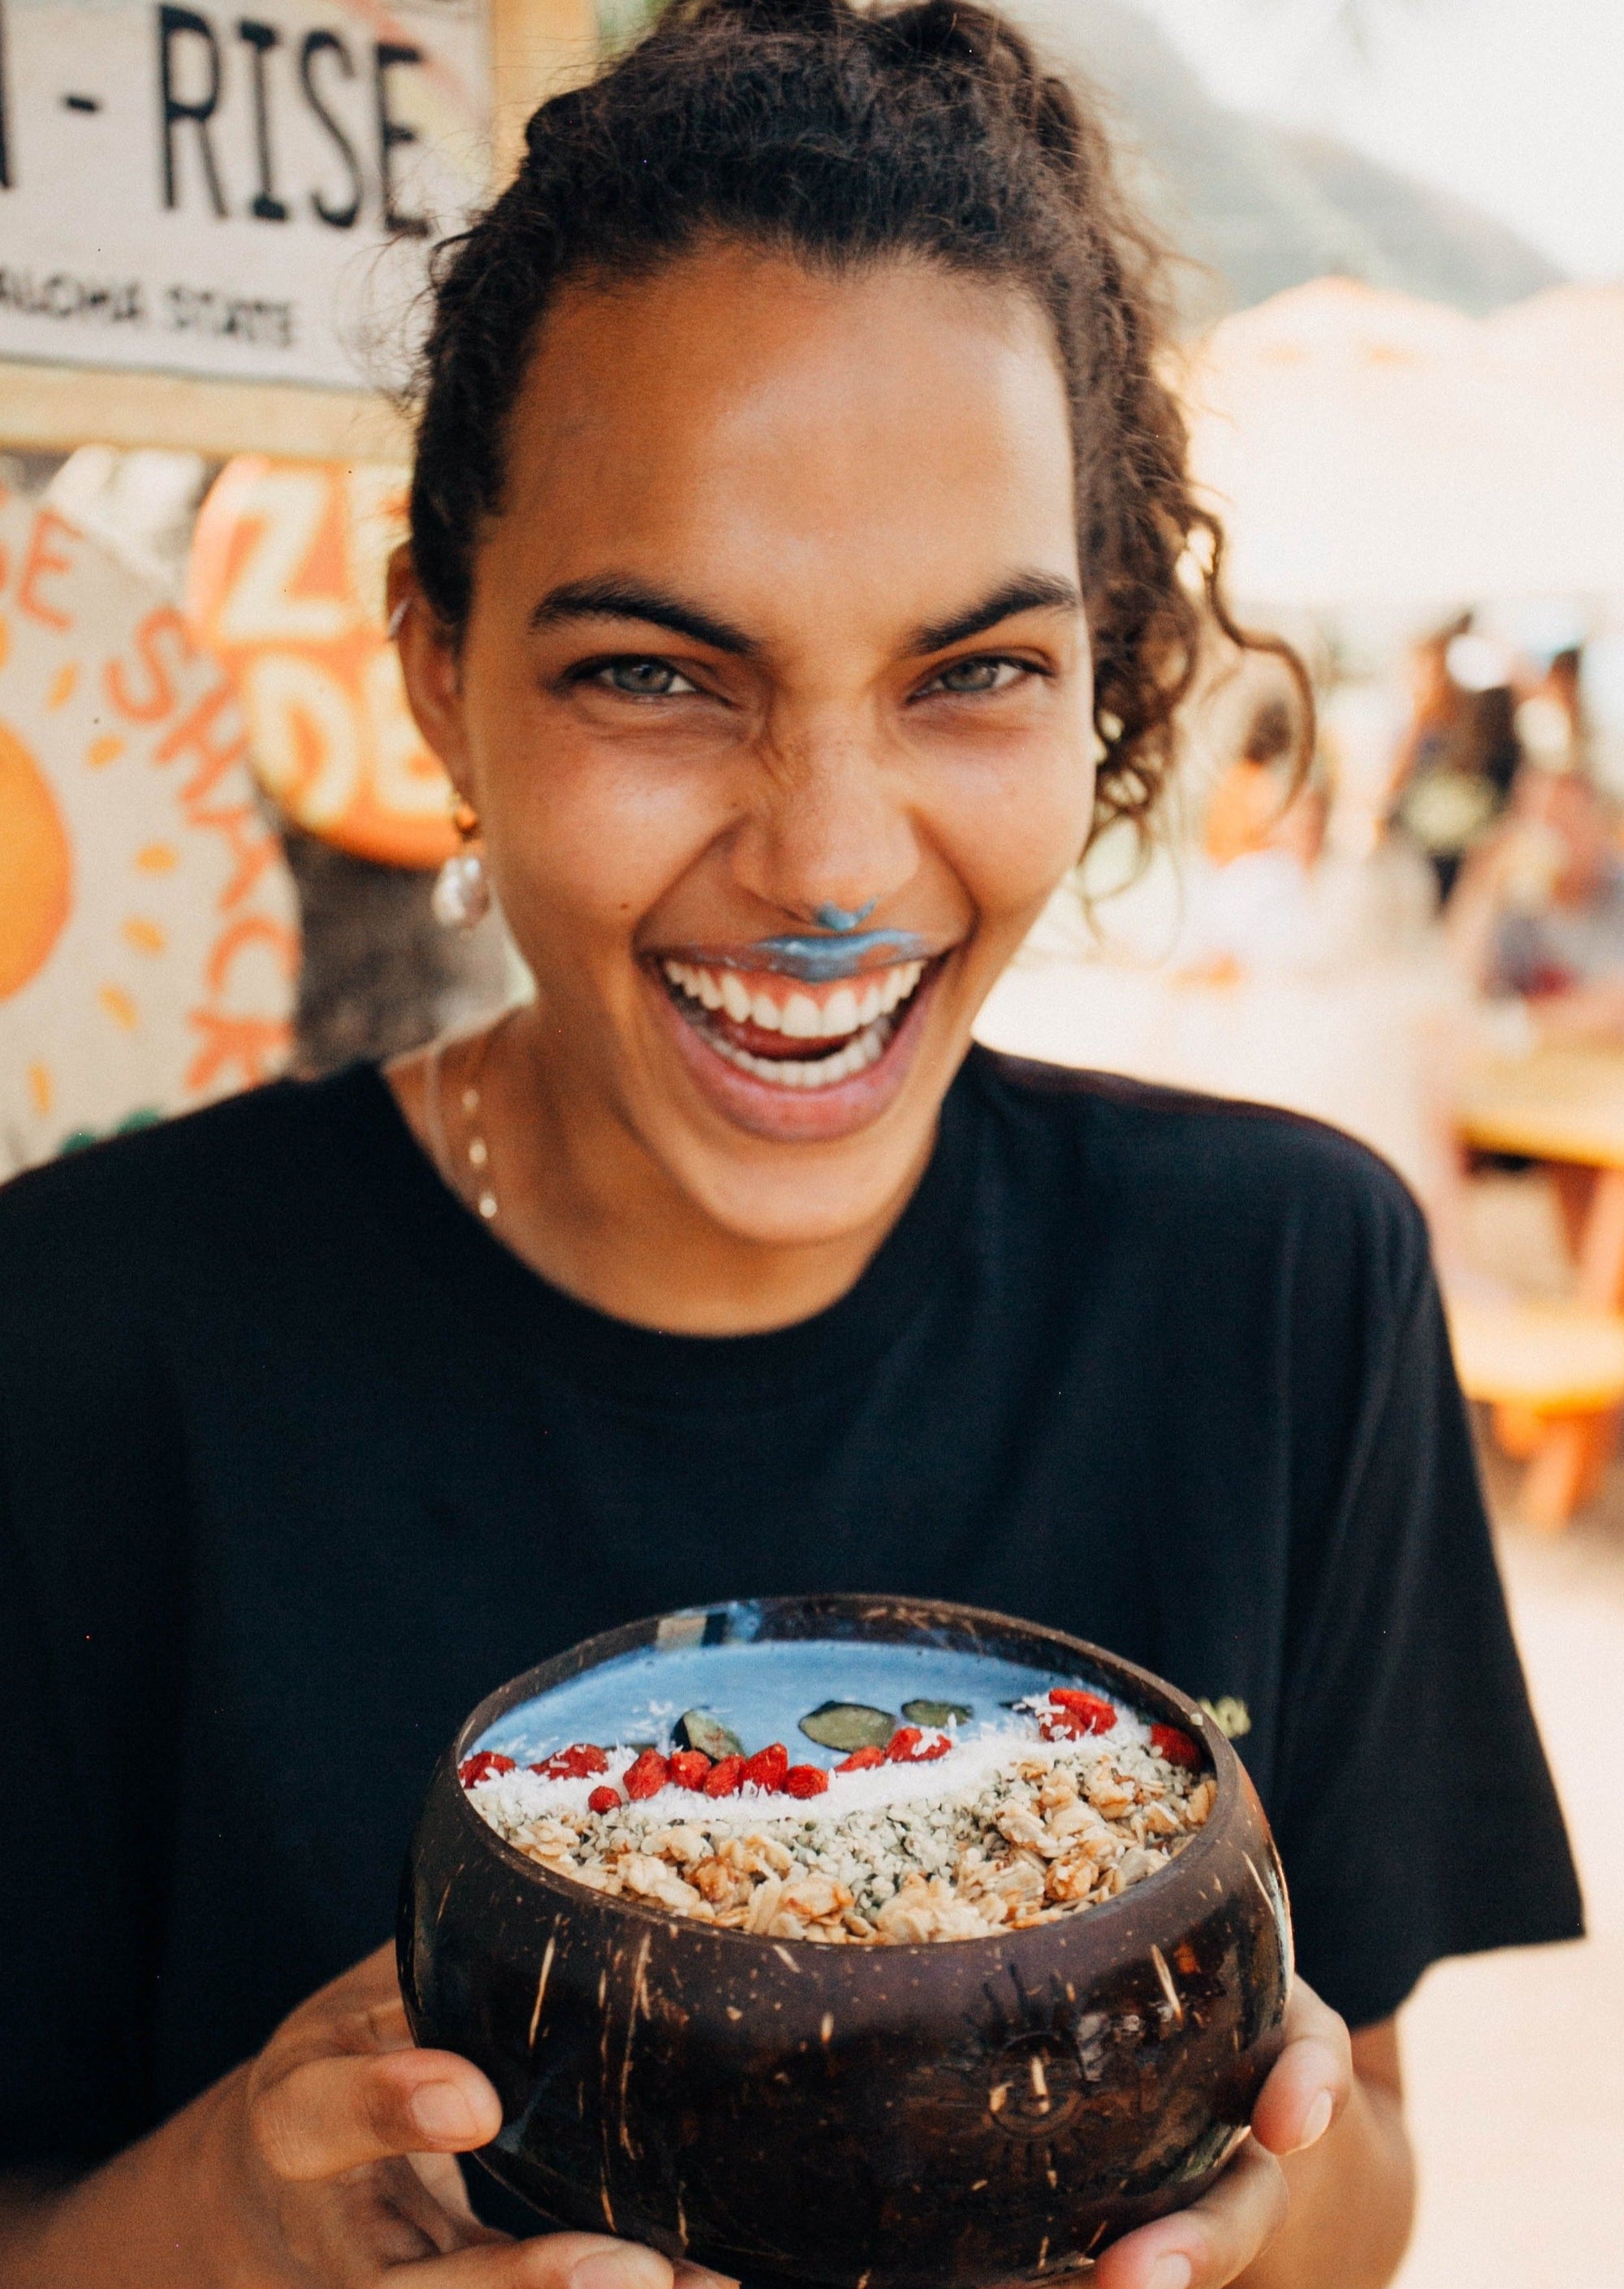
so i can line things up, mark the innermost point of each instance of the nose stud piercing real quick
(836, 918)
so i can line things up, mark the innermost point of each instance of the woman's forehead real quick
(737, 411)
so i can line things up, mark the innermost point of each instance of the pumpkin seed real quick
(696, 1728)
(937, 1712)
(847, 1725)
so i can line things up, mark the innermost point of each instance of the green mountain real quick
(1259, 209)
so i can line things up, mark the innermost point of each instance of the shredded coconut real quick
(1007, 1830)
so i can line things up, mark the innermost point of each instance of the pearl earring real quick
(460, 899)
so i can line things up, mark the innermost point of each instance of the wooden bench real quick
(1553, 1375)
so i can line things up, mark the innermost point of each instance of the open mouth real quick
(790, 1034)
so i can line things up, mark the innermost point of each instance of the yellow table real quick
(1565, 1108)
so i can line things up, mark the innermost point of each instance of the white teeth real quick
(803, 1020)
(839, 1017)
(852, 1011)
(822, 1073)
(896, 984)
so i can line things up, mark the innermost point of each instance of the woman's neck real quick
(579, 1199)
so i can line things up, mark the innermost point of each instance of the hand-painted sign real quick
(286, 587)
(148, 943)
(197, 190)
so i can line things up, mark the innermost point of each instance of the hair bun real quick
(558, 117)
(943, 30)
(962, 32)
(773, 15)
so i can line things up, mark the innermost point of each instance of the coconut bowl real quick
(940, 2116)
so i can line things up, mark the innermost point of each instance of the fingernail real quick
(1317, 2120)
(1174, 2271)
(617, 2269)
(441, 2110)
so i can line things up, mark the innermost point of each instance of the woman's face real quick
(774, 705)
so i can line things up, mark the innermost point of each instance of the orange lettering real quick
(196, 735)
(249, 1043)
(253, 929)
(248, 842)
(41, 559)
(158, 698)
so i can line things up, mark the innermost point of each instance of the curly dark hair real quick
(844, 137)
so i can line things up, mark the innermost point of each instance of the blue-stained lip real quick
(815, 960)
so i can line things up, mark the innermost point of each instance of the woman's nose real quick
(828, 836)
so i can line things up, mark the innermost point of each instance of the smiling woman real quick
(801, 564)
(742, 649)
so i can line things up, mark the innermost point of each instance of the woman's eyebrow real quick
(1027, 592)
(613, 597)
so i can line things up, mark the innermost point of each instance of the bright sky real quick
(1517, 104)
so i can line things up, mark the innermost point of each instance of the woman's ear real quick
(430, 668)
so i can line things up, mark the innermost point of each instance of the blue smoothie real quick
(760, 1691)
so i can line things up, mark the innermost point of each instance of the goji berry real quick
(690, 1768)
(480, 1768)
(648, 1775)
(726, 1776)
(1096, 1715)
(604, 1799)
(766, 1768)
(1177, 1747)
(906, 1747)
(578, 1762)
(805, 1780)
(861, 1760)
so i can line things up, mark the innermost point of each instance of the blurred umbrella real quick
(1363, 447)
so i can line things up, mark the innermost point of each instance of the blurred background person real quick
(1538, 913)
(1458, 758)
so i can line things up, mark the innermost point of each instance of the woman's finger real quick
(329, 2116)
(447, 2187)
(1310, 2081)
(361, 2011)
(559, 2261)
(1203, 2248)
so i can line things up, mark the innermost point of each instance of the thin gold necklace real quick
(477, 1190)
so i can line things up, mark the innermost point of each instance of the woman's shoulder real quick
(238, 1166)
(1203, 1170)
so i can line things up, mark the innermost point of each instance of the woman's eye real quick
(975, 676)
(644, 679)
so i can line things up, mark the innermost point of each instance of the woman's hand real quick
(1274, 2218)
(327, 2162)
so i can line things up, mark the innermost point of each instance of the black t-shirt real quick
(296, 1461)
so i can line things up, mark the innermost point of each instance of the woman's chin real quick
(783, 1112)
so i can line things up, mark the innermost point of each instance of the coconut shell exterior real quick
(935, 2116)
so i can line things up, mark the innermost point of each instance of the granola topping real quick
(1003, 1832)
